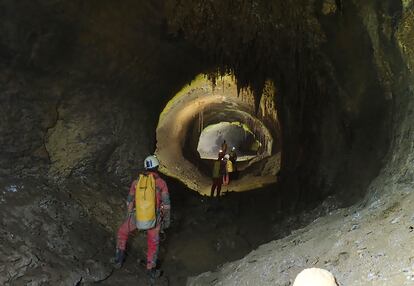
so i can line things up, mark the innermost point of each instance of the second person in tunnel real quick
(229, 169)
(219, 171)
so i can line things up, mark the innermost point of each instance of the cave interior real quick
(315, 96)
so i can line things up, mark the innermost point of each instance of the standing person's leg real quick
(235, 172)
(226, 179)
(213, 187)
(123, 233)
(219, 183)
(124, 230)
(153, 241)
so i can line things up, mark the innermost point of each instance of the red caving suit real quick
(162, 208)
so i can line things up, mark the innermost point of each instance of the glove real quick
(130, 211)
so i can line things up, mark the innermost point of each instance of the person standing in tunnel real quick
(224, 147)
(160, 221)
(219, 171)
(233, 159)
(229, 169)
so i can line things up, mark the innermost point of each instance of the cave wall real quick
(333, 63)
(57, 128)
(72, 56)
(107, 139)
(398, 173)
(23, 124)
(81, 88)
(82, 84)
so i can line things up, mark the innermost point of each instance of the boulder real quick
(315, 277)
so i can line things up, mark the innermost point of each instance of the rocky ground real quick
(65, 234)
(367, 244)
(47, 238)
(206, 233)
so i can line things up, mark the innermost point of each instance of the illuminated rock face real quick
(192, 112)
(405, 35)
(213, 136)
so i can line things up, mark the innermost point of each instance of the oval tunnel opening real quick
(235, 135)
(203, 115)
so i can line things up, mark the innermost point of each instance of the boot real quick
(119, 258)
(142, 262)
(153, 274)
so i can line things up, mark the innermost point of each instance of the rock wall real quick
(117, 56)
(24, 124)
(81, 88)
(97, 133)
(58, 129)
(333, 64)
(398, 171)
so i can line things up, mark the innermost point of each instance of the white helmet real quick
(151, 162)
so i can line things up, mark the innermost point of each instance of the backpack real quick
(229, 166)
(145, 202)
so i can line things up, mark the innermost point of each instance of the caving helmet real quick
(233, 148)
(151, 162)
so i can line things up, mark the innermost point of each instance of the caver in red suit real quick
(163, 207)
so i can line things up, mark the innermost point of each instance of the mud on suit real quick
(163, 219)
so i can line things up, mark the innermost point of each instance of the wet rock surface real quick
(24, 124)
(48, 239)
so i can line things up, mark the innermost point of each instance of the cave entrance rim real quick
(177, 120)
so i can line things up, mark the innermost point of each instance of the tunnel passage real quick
(202, 106)
(236, 135)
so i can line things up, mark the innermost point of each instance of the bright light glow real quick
(235, 134)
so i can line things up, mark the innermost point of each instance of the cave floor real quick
(206, 233)
(53, 235)
(259, 176)
(66, 233)
(366, 244)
